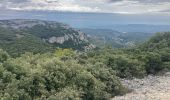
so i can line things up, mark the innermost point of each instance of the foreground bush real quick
(48, 77)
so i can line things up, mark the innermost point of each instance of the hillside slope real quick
(17, 42)
(158, 42)
(39, 36)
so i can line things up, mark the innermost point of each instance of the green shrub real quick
(126, 67)
(3, 56)
(50, 77)
(153, 63)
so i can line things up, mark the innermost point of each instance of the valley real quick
(108, 37)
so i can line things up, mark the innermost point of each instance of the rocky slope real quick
(148, 88)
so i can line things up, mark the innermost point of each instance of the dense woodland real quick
(65, 74)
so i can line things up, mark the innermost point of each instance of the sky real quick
(93, 6)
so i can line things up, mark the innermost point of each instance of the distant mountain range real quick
(146, 28)
(119, 22)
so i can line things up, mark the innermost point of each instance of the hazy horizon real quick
(90, 13)
(84, 18)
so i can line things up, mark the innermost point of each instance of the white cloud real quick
(107, 6)
(137, 7)
(53, 5)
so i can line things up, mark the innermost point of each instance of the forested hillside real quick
(16, 42)
(19, 36)
(67, 75)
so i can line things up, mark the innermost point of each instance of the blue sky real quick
(97, 6)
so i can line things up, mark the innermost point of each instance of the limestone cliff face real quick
(89, 47)
(76, 37)
(59, 40)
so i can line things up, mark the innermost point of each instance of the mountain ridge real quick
(52, 33)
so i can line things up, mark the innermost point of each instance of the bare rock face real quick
(76, 37)
(73, 37)
(59, 40)
(89, 47)
(82, 36)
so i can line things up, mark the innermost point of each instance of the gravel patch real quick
(148, 88)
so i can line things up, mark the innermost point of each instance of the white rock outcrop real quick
(59, 40)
